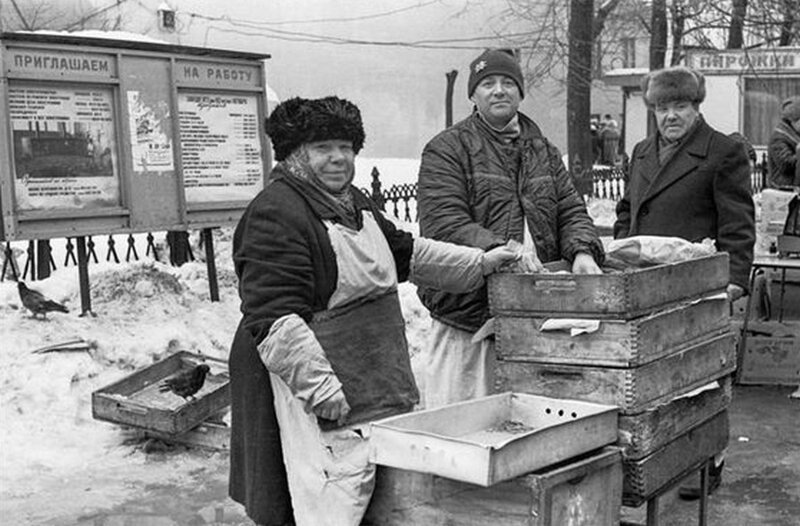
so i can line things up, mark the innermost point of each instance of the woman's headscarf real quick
(298, 121)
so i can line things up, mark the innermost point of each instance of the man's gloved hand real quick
(584, 263)
(497, 257)
(335, 408)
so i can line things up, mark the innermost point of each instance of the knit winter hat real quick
(790, 109)
(676, 84)
(297, 121)
(495, 62)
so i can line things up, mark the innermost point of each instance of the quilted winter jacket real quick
(470, 193)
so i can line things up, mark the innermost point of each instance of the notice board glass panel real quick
(65, 147)
(220, 148)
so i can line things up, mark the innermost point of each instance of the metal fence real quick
(397, 200)
(607, 183)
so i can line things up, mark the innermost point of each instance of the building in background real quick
(745, 88)
(390, 58)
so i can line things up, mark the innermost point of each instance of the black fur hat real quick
(297, 121)
(674, 84)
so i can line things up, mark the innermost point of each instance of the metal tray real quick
(136, 400)
(494, 438)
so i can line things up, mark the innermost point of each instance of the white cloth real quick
(455, 368)
(329, 474)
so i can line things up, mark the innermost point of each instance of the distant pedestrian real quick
(784, 147)
(609, 144)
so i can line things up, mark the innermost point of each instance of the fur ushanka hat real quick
(676, 84)
(297, 121)
(790, 109)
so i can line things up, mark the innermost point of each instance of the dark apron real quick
(365, 343)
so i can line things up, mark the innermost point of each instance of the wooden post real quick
(448, 98)
(211, 264)
(178, 242)
(44, 259)
(83, 277)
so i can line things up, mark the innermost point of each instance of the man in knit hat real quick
(784, 147)
(688, 180)
(490, 179)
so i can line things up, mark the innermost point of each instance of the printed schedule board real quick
(101, 136)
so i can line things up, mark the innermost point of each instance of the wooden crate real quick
(650, 476)
(136, 400)
(584, 491)
(644, 433)
(771, 354)
(493, 438)
(619, 295)
(617, 343)
(632, 389)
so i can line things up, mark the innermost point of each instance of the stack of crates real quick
(664, 334)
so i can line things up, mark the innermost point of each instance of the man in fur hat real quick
(784, 147)
(489, 179)
(688, 180)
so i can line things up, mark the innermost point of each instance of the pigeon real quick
(186, 383)
(35, 301)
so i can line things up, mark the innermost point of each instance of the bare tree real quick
(33, 15)
(579, 84)
(736, 32)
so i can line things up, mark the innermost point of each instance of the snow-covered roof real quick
(99, 33)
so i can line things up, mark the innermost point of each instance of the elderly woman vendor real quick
(321, 347)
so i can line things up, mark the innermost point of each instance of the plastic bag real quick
(647, 251)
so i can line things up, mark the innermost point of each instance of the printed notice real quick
(220, 147)
(65, 153)
(151, 146)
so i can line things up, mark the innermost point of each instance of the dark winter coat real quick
(701, 191)
(474, 190)
(285, 264)
(784, 170)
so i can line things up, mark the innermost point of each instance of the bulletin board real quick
(101, 136)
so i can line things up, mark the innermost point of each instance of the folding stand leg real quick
(701, 520)
(652, 512)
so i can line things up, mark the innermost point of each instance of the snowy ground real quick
(58, 463)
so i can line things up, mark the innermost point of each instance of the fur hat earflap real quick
(675, 84)
(297, 121)
(495, 62)
(790, 109)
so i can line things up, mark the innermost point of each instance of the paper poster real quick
(65, 149)
(151, 146)
(220, 148)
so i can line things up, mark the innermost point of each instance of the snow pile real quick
(58, 463)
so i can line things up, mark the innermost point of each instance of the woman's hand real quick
(584, 263)
(334, 407)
